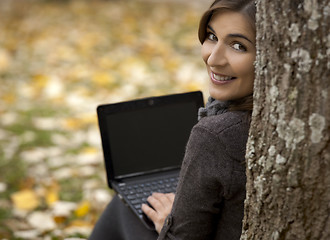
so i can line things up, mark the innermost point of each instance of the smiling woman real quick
(229, 53)
(246, 10)
(209, 199)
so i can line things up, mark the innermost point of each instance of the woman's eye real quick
(239, 47)
(212, 37)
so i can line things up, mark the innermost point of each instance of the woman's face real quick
(229, 54)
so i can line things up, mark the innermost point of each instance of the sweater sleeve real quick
(204, 183)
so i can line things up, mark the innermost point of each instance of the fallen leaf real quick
(82, 209)
(100, 198)
(79, 227)
(17, 224)
(86, 171)
(80, 223)
(63, 209)
(51, 197)
(5, 60)
(89, 150)
(27, 234)
(3, 187)
(40, 81)
(25, 200)
(103, 79)
(34, 155)
(73, 123)
(9, 98)
(59, 219)
(42, 221)
(52, 193)
(63, 173)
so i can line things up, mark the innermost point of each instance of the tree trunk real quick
(288, 151)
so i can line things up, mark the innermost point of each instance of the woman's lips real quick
(221, 79)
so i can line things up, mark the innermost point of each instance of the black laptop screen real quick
(152, 138)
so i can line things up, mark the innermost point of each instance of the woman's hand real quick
(162, 204)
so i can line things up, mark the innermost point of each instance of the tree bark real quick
(288, 150)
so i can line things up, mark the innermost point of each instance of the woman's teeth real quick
(222, 78)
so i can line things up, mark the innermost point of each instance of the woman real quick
(209, 201)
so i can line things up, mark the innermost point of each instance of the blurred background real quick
(60, 59)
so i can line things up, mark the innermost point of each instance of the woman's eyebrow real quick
(208, 26)
(233, 35)
(238, 35)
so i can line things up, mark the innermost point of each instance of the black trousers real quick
(118, 222)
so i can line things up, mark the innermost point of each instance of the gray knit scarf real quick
(213, 107)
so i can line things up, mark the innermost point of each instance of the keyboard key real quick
(131, 197)
(139, 195)
(136, 201)
(137, 206)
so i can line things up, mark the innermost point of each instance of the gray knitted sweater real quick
(209, 202)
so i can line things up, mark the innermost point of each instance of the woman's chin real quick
(218, 95)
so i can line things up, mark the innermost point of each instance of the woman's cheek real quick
(205, 51)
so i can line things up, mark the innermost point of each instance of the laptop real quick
(144, 143)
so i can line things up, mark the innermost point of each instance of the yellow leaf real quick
(73, 123)
(52, 193)
(59, 219)
(103, 79)
(82, 209)
(79, 223)
(51, 197)
(89, 119)
(9, 98)
(40, 81)
(5, 60)
(25, 200)
(90, 150)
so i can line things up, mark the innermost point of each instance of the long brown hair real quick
(248, 9)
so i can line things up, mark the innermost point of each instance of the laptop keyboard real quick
(138, 193)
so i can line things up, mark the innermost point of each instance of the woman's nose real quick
(217, 55)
